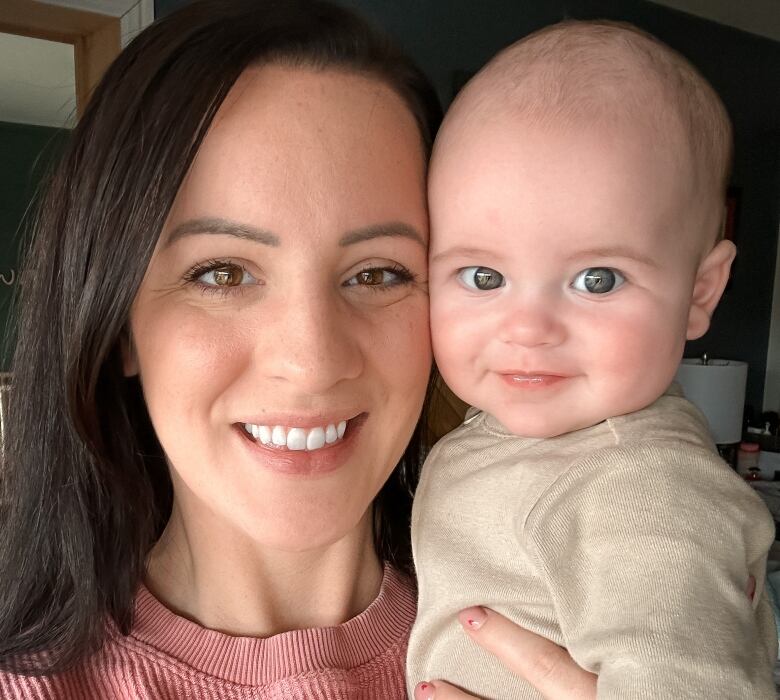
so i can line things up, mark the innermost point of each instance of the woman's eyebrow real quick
(221, 226)
(392, 229)
(252, 233)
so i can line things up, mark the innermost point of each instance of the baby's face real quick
(561, 270)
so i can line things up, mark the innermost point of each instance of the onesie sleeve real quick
(647, 553)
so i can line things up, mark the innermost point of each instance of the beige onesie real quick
(630, 543)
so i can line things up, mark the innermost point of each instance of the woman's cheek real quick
(401, 348)
(186, 356)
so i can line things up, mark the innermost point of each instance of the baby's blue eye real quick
(481, 278)
(598, 280)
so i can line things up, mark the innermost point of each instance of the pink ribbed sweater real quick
(167, 657)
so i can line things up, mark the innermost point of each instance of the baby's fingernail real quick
(424, 691)
(472, 618)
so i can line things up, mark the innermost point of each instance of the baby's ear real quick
(711, 279)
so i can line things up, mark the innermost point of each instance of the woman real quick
(223, 353)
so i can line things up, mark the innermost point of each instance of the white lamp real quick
(717, 388)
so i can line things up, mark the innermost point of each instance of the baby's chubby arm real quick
(647, 553)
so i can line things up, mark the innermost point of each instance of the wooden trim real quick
(38, 19)
(96, 38)
(93, 54)
(33, 33)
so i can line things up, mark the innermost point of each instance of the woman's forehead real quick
(292, 143)
(308, 104)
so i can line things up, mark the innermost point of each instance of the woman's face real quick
(281, 330)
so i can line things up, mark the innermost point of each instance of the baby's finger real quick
(545, 665)
(439, 691)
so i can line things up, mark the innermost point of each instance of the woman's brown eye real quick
(228, 276)
(380, 278)
(219, 275)
(372, 277)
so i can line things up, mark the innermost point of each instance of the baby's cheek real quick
(638, 360)
(451, 334)
(458, 358)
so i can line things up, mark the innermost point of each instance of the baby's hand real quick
(545, 665)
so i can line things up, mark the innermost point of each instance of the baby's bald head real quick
(605, 74)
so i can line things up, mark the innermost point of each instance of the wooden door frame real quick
(96, 38)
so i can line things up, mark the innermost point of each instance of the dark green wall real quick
(25, 153)
(451, 36)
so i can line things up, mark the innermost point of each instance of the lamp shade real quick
(717, 388)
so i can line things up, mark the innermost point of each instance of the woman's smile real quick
(297, 438)
(303, 451)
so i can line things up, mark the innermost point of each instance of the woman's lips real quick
(304, 462)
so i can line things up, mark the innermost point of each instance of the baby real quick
(576, 195)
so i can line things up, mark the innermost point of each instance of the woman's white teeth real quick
(315, 439)
(279, 436)
(297, 438)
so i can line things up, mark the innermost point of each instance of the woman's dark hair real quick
(85, 490)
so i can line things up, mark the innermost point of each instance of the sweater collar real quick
(259, 661)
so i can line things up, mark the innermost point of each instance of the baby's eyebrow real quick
(462, 252)
(614, 252)
(624, 252)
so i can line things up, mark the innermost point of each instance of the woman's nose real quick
(312, 344)
(531, 324)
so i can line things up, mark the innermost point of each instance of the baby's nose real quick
(531, 325)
